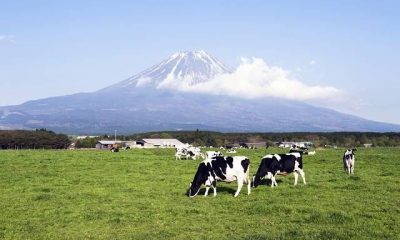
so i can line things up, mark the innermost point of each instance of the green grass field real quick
(140, 194)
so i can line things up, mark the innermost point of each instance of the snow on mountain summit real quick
(182, 68)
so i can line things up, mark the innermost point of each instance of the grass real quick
(140, 194)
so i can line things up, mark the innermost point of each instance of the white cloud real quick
(6, 38)
(313, 62)
(143, 81)
(254, 78)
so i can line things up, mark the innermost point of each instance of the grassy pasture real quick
(140, 194)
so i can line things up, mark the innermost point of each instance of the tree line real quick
(44, 139)
(38, 139)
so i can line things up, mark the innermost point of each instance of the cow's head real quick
(199, 179)
(256, 181)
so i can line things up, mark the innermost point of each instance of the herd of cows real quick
(216, 167)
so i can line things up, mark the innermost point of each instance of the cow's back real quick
(237, 165)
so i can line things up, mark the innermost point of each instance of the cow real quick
(180, 151)
(194, 153)
(114, 149)
(219, 168)
(187, 152)
(282, 164)
(243, 145)
(302, 150)
(349, 159)
(212, 154)
(232, 150)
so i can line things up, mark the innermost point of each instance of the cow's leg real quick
(248, 182)
(271, 177)
(296, 176)
(206, 193)
(240, 185)
(276, 184)
(274, 181)
(214, 186)
(303, 176)
(248, 185)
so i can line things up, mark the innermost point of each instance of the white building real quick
(158, 143)
(107, 144)
(299, 144)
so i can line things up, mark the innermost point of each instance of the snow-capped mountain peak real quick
(184, 67)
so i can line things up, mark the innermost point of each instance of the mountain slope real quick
(185, 67)
(137, 105)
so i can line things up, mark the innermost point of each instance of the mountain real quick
(183, 68)
(149, 101)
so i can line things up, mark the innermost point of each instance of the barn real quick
(158, 143)
(106, 144)
(256, 144)
(289, 144)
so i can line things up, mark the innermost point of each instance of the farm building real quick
(157, 143)
(107, 144)
(256, 144)
(289, 144)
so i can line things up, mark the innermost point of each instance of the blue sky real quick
(51, 48)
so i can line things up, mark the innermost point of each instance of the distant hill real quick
(140, 104)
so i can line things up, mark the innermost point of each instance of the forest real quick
(37, 139)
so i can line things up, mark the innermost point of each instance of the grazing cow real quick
(180, 151)
(226, 147)
(349, 159)
(194, 153)
(281, 164)
(232, 150)
(243, 145)
(213, 154)
(114, 149)
(220, 168)
(187, 152)
(302, 150)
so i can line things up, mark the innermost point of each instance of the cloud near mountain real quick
(253, 78)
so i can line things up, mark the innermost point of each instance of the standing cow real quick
(283, 164)
(349, 159)
(221, 168)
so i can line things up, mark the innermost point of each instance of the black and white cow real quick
(301, 150)
(349, 159)
(283, 164)
(212, 154)
(187, 152)
(221, 168)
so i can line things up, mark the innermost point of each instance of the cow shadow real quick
(268, 182)
(220, 189)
